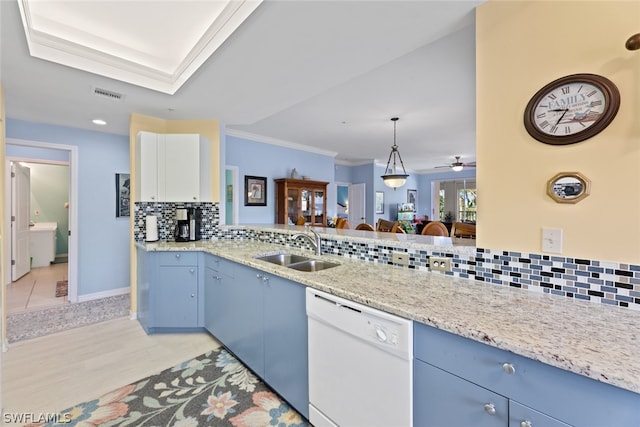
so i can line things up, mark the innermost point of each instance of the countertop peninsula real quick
(593, 340)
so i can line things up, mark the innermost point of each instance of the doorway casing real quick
(73, 217)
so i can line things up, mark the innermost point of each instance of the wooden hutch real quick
(304, 198)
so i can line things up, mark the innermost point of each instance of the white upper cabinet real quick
(169, 168)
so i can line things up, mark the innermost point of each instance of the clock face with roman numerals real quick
(571, 109)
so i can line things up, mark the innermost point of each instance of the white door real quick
(357, 207)
(20, 214)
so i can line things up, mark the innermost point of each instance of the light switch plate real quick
(552, 240)
(399, 258)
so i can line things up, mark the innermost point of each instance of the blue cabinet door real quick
(216, 316)
(520, 415)
(175, 297)
(442, 399)
(245, 307)
(285, 341)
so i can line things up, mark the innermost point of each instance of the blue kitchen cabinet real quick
(174, 296)
(262, 320)
(168, 291)
(245, 316)
(442, 399)
(285, 341)
(218, 289)
(537, 393)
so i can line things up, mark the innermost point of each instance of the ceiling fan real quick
(458, 165)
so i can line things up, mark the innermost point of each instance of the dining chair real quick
(344, 224)
(365, 226)
(397, 228)
(435, 228)
(384, 225)
(464, 230)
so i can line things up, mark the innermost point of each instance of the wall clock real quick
(571, 109)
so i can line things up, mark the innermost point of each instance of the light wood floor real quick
(54, 372)
(36, 289)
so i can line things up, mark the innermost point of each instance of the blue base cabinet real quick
(218, 288)
(455, 378)
(262, 320)
(442, 399)
(169, 291)
(285, 341)
(245, 301)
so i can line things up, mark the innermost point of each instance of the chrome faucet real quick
(315, 241)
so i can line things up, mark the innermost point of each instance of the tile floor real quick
(36, 289)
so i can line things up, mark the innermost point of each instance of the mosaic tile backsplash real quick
(166, 213)
(592, 280)
(595, 281)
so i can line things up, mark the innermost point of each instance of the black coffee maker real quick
(187, 224)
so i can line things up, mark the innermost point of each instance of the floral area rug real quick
(214, 389)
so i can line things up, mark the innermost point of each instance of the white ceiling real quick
(327, 75)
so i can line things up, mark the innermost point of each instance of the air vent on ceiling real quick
(107, 94)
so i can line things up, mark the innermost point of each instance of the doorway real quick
(230, 213)
(39, 235)
(351, 202)
(40, 152)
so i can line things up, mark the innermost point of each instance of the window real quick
(455, 200)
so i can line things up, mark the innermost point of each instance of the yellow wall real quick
(521, 46)
(210, 129)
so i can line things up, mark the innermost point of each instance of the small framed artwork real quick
(379, 202)
(123, 185)
(255, 191)
(412, 197)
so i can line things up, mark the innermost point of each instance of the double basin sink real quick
(298, 262)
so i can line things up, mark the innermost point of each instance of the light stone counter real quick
(593, 340)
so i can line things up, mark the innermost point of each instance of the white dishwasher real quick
(360, 364)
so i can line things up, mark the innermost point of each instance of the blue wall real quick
(272, 161)
(103, 239)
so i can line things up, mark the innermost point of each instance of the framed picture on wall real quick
(379, 202)
(122, 194)
(412, 197)
(255, 191)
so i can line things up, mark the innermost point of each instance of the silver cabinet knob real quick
(193, 270)
(259, 276)
(193, 295)
(216, 277)
(177, 255)
(490, 408)
(526, 423)
(508, 368)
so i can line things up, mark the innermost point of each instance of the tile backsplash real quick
(602, 282)
(166, 213)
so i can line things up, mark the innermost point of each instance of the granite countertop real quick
(593, 340)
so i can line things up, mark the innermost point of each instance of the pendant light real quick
(391, 176)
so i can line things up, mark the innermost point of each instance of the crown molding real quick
(278, 142)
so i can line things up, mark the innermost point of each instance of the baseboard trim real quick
(104, 294)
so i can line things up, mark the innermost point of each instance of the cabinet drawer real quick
(219, 265)
(178, 258)
(572, 398)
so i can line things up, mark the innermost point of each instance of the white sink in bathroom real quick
(42, 243)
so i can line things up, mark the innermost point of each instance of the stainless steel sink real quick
(283, 259)
(298, 262)
(312, 265)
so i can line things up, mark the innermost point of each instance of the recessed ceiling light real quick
(99, 122)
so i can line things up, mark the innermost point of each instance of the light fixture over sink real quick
(391, 176)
